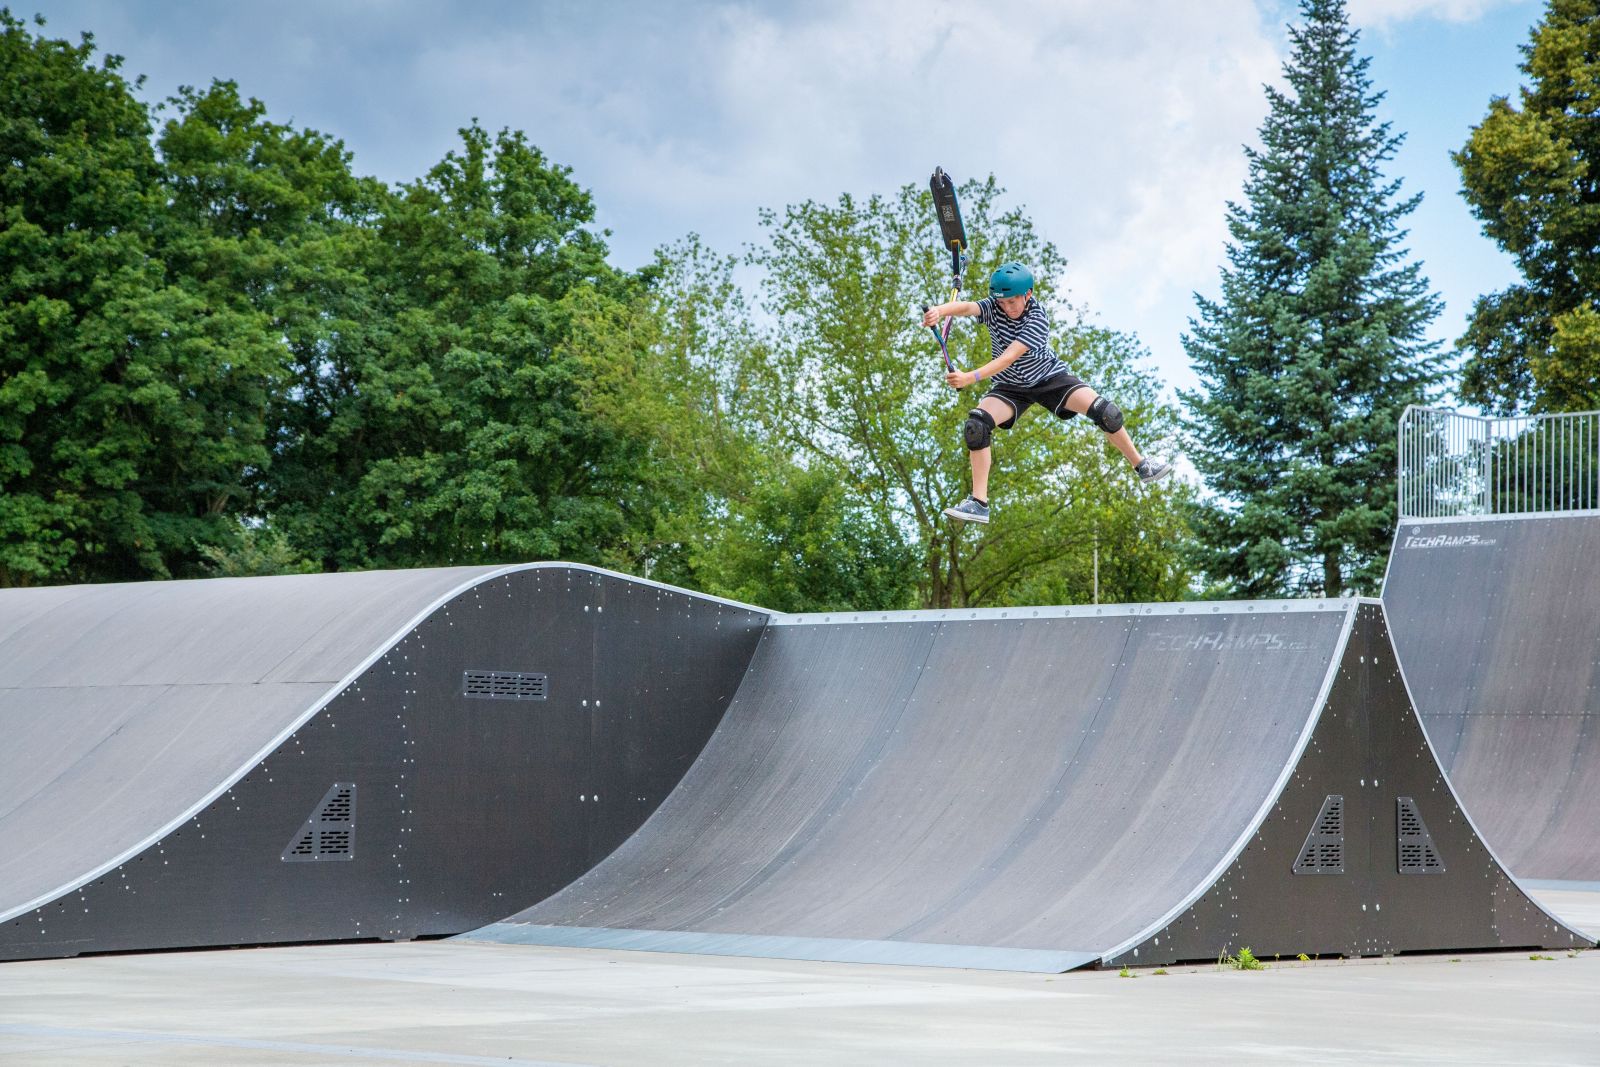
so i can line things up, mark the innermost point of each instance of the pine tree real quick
(1318, 342)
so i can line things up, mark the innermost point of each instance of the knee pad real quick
(979, 430)
(1106, 415)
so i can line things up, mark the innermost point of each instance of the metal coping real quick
(1079, 611)
(828, 949)
(381, 649)
(1517, 516)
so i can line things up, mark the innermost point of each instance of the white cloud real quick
(1119, 126)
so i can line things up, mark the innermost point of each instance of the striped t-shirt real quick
(1033, 330)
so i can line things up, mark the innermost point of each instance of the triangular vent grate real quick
(1323, 852)
(330, 832)
(1414, 845)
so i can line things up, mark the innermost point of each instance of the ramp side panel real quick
(465, 808)
(1037, 784)
(1498, 625)
(123, 706)
(1368, 746)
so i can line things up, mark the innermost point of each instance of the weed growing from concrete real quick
(1244, 961)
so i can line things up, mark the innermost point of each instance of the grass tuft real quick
(1244, 961)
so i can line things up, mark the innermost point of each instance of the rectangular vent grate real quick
(1414, 845)
(503, 685)
(330, 832)
(1323, 852)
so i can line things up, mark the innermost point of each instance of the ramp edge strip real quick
(1559, 885)
(1082, 611)
(1313, 717)
(816, 949)
(338, 687)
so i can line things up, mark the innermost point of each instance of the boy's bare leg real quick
(981, 461)
(1080, 400)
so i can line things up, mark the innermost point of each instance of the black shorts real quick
(1050, 394)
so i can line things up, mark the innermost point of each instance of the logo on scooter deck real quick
(1415, 539)
(1222, 641)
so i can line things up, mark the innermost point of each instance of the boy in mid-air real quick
(1025, 372)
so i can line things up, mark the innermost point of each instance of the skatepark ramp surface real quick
(1497, 622)
(1040, 789)
(383, 754)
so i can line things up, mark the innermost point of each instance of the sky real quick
(1118, 127)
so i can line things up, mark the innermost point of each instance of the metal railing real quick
(1454, 465)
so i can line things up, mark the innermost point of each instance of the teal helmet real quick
(1010, 279)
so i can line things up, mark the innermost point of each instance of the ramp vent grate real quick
(1414, 845)
(503, 685)
(330, 832)
(1323, 852)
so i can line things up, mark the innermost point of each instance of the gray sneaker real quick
(969, 510)
(1152, 470)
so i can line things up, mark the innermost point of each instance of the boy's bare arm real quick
(960, 379)
(999, 363)
(960, 308)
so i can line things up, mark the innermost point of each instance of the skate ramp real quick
(246, 761)
(1037, 789)
(1497, 622)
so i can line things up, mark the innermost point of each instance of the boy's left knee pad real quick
(1106, 415)
(978, 430)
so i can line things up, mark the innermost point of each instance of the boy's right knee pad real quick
(979, 430)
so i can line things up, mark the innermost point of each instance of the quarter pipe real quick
(390, 754)
(1497, 621)
(1047, 788)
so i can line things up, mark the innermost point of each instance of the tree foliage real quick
(224, 352)
(1531, 173)
(1317, 343)
(672, 376)
(132, 389)
(434, 419)
(851, 384)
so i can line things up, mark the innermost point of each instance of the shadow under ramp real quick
(1041, 789)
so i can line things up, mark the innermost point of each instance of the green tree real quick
(1530, 174)
(851, 384)
(130, 400)
(443, 427)
(258, 551)
(270, 221)
(714, 506)
(1318, 342)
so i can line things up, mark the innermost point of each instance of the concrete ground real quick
(480, 1003)
(477, 1003)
